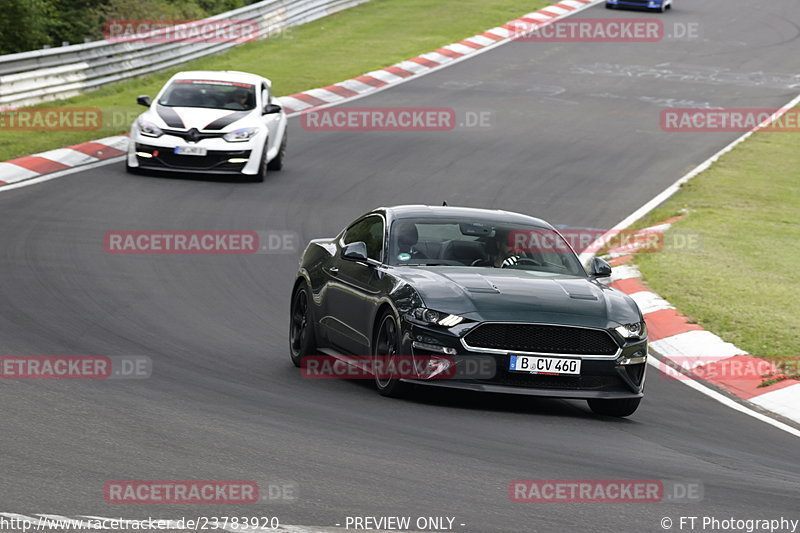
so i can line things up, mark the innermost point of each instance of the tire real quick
(618, 408)
(609, 6)
(385, 345)
(302, 340)
(277, 161)
(129, 169)
(262, 168)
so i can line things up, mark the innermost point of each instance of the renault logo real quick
(193, 135)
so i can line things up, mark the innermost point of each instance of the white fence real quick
(39, 76)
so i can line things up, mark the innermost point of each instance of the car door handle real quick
(333, 270)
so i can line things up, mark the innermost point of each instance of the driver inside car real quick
(407, 239)
(506, 254)
(238, 99)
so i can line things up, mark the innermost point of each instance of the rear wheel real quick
(301, 326)
(385, 350)
(619, 408)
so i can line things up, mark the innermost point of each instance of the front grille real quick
(541, 338)
(637, 2)
(195, 135)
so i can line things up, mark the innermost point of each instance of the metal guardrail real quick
(31, 78)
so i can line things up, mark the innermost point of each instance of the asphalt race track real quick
(575, 139)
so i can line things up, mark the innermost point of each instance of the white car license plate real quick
(190, 150)
(533, 364)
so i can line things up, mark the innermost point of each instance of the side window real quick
(369, 231)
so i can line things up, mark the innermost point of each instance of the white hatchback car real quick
(210, 122)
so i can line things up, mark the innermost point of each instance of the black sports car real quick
(449, 286)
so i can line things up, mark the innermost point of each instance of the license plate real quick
(190, 150)
(555, 366)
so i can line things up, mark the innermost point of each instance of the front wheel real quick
(385, 351)
(277, 161)
(262, 167)
(618, 408)
(301, 326)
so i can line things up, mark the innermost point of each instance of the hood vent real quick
(474, 283)
(577, 289)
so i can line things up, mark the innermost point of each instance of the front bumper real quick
(215, 162)
(615, 377)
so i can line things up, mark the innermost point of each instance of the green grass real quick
(742, 281)
(347, 44)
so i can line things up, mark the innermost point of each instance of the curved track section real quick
(575, 140)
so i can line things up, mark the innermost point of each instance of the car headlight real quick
(436, 318)
(633, 331)
(148, 129)
(240, 135)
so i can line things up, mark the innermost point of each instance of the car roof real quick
(451, 212)
(221, 75)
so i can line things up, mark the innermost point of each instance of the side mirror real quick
(271, 109)
(355, 251)
(143, 100)
(599, 268)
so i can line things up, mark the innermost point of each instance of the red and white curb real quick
(37, 165)
(425, 63)
(671, 331)
(687, 346)
(32, 166)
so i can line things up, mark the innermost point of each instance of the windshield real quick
(481, 244)
(210, 94)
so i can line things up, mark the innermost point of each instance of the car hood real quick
(492, 294)
(200, 118)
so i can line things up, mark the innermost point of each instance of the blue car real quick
(658, 5)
